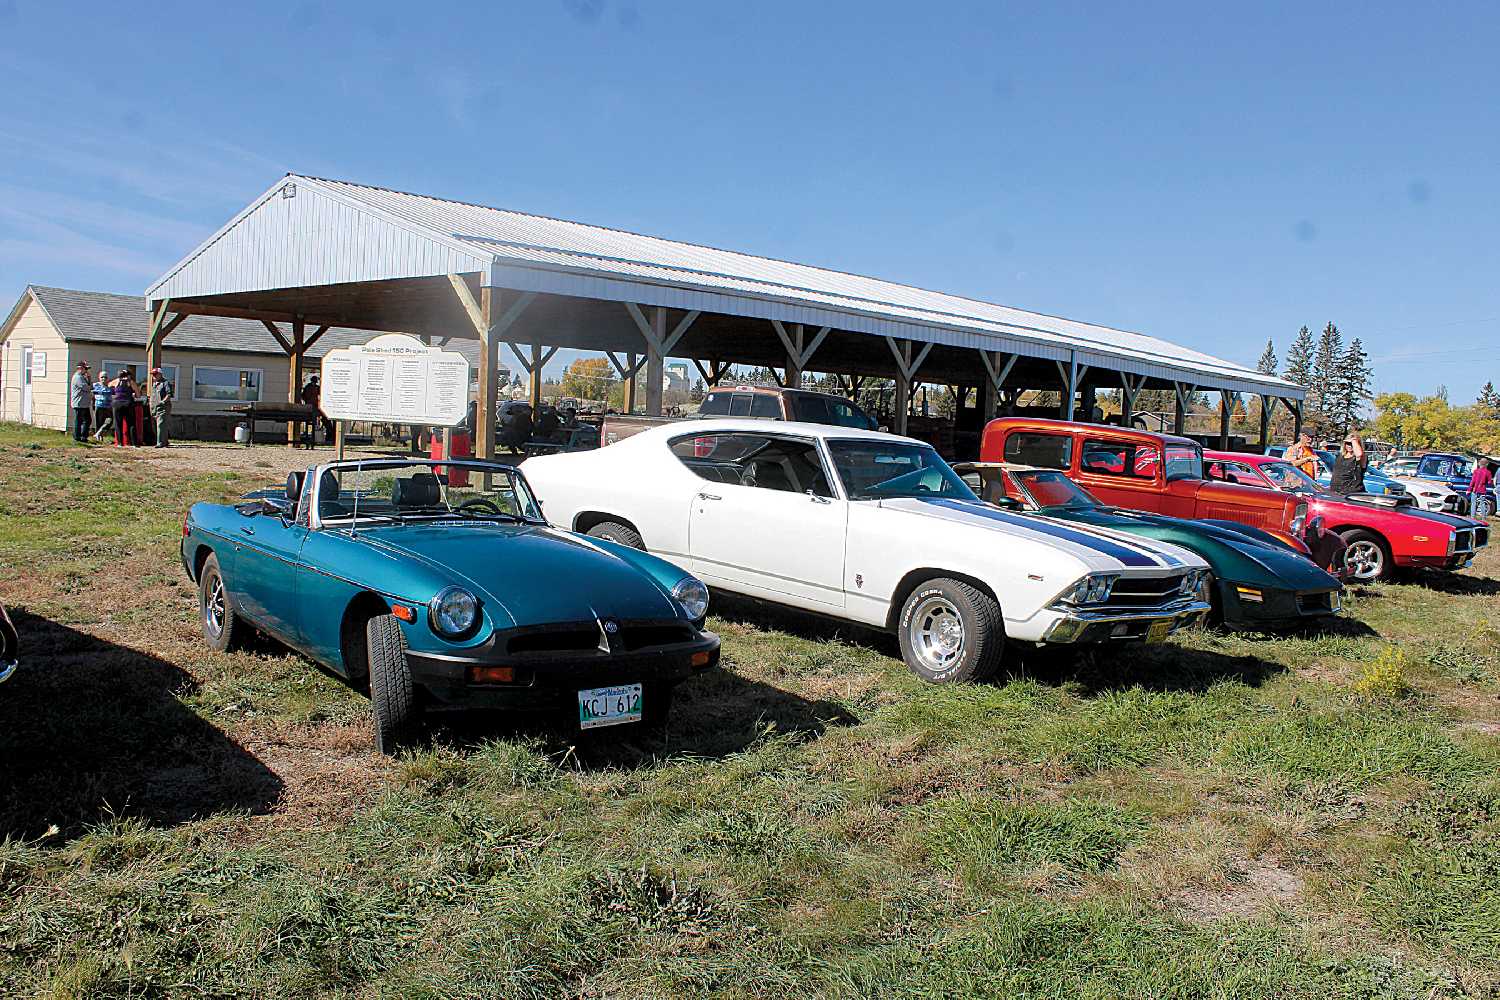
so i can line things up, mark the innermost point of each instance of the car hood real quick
(1354, 510)
(1101, 549)
(1231, 554)
(531, 574)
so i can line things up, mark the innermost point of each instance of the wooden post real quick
(535, 372)
(629, 396)
(294, 373)
(906, 374)
(656, 362)
(490, 301)
(1070, 374)
(1295, 406)
(1267, 404)
(799, 350)
(338, 438)
(1183, 391)
(1225, 402)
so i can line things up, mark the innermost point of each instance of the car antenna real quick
(354, 524)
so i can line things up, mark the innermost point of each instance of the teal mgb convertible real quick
(440, 585)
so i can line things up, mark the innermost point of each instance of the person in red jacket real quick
(1480, 483)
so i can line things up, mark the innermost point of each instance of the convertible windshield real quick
(1050, 488)
(400, 493)
(1184, 462)
(1285, 476)
(875, 470)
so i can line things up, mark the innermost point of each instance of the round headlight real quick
(693, 596)
(453, 612)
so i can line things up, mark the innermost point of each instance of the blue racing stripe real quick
(1109, 547)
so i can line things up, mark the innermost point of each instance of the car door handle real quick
(247, 529)
(817, 499)
(709, 496)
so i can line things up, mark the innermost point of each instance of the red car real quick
(1140, 470)
(1381, 532)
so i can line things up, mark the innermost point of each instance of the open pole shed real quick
(310, 254)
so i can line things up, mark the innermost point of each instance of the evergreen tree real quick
(1299, 360)
(1489, 400)
(1324, 391)
(1267, 364)
(1351, 386)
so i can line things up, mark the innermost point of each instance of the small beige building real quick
(214, 362)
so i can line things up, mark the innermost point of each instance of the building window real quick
(138, 371)
(231, 385)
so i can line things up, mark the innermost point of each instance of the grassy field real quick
(1228, 816)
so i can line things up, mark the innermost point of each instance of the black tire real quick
(1367, 556)
(926, 630)
(617, 532)
(223, 629)
(393, 696)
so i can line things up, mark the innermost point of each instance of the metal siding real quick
(336, 232)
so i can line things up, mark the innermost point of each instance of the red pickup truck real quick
(1140, 470)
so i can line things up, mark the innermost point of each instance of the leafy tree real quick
(1267, 364)
(1428, 422)
(588, 378)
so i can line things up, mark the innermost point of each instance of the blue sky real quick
(1210, 174)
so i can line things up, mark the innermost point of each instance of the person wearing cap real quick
(1301, 455)
(161, 406)
(81, 398)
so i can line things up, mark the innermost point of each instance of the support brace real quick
(798, 351)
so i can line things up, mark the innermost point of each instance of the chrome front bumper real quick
(1079, 625)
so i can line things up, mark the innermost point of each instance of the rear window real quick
(763, 404)
(740, 405)
(715, 404)
(1047, 451)
(818, 409)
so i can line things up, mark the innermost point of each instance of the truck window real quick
(1117, 458)
(1047, 451)
(715, 404)
(739, 406)
(763, 404)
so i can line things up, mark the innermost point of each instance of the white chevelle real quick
(873, 528)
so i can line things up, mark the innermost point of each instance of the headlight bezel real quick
(1090, 590)
(698, 599)
(440, 613)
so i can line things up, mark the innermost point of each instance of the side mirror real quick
(1008, 503)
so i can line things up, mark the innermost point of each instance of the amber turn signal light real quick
(492, 675)
(700, 659)
(404, 613)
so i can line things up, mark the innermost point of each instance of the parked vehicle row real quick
(451, 584)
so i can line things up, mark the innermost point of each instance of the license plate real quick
(609, 706)
(1159, 631)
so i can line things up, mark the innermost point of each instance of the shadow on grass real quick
(90, 729)
(1165, 667)
(1456, 584)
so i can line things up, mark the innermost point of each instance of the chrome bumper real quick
(1112, 624)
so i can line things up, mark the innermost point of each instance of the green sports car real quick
(1258, 580)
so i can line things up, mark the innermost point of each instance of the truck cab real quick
(1139, 470)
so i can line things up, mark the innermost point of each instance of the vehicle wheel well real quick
(914, 579)
(1340, 529)
(353, 646)
(199, 558)
(591, 518)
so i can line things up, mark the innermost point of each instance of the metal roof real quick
(123, 320)
(328, 231)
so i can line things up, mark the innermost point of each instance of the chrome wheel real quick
(1365, 559)
(213, 607)
(935, 633)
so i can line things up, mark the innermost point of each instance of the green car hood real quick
(535, 575)
(1231, 554)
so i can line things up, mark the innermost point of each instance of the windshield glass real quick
(1184, 462)
(1053, 489)
(422, 492)
(877, 470)
(1290, 478)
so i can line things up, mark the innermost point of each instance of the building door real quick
(26, 383)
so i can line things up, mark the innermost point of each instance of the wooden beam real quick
(996, 371)
(490, 301)
(471, 307)
(271, 328)
(317, 334)
(294, 378)
(628, 371)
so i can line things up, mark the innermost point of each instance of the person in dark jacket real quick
(122, 408)
(312, 395)
(1349, 467)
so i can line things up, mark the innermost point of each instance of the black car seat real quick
(422, 490)
(769, 474)
(329, 493)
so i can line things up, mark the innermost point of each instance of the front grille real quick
(634, 637)
(1319, 600)
(1145, 592)
(567, 639)
(1463, 540)
(1481, 538)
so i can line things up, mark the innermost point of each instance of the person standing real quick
(101, 404)
(161, 406)
(122, 408)
(1480, 483)
(312, 395)
(81, 399)
(1301, 455)
(1349, 467)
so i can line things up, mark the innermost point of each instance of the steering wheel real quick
(481, 502)
(921, 488)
